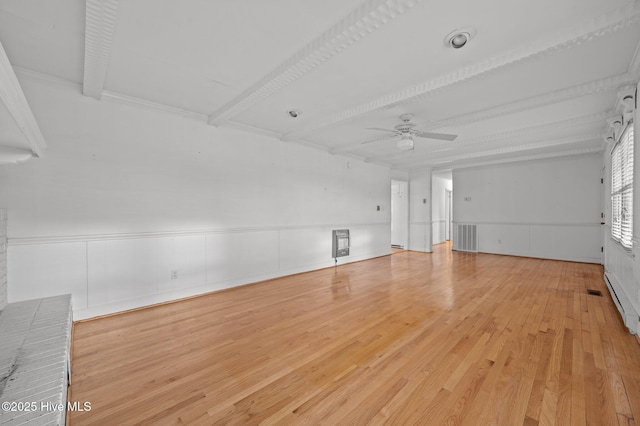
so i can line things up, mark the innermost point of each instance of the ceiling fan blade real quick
(442, 136)
(382, 130)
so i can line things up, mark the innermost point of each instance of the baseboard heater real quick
(630, 319)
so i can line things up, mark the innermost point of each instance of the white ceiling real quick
(538, 78)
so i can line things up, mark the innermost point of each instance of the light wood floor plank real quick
(446, 338)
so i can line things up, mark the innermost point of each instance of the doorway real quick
(448, 213)
(399, 214)
(441, 206)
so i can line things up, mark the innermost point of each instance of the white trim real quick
(562, 224)
(124, 236)
(100, 23)
(150, 105)
(108, 95)
(16, 103)
(48, 79)
(251, 129)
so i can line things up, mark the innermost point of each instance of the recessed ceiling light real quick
(294, 113)
(459, 38)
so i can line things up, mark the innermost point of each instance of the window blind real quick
(622, 189)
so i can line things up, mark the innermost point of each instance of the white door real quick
(448, 214)
(399, 214)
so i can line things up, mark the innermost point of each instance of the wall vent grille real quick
(466, 238)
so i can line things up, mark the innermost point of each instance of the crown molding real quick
(150, 105)
(251, 129)
(47, 78)
(100, 23)
(587, 137)
(109, 95)
(553, 44)
(14, 100)
(370, 16)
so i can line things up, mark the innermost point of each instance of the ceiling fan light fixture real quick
(459, 38)
(405, 143)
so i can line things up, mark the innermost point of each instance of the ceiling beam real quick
(530, 157)
(562, 95)
(14, 100)
(100, 22)
(546, 46)
(361, 22)
(513, 149)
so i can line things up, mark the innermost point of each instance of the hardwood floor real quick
(414, 338)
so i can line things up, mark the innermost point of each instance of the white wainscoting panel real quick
(579, 242)
(439, 231)
(573, 242)
(503, 239)
(420, 236)
(109, 274)
(44, 270)
(239, 257)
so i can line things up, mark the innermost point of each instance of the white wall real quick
(439, 184)
(622, 268)
(126, 194)
(420, 210)
(544, 208)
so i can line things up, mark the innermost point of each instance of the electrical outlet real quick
(174, 274)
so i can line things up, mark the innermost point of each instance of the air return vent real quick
(466, 238)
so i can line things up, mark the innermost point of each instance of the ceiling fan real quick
(406, 130)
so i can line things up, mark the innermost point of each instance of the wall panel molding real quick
(182, 233)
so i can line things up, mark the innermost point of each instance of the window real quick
(622, 189)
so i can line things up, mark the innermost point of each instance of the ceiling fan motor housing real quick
(405, 127)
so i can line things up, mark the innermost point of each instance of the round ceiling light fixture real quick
(459, 38)
(405, 143)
